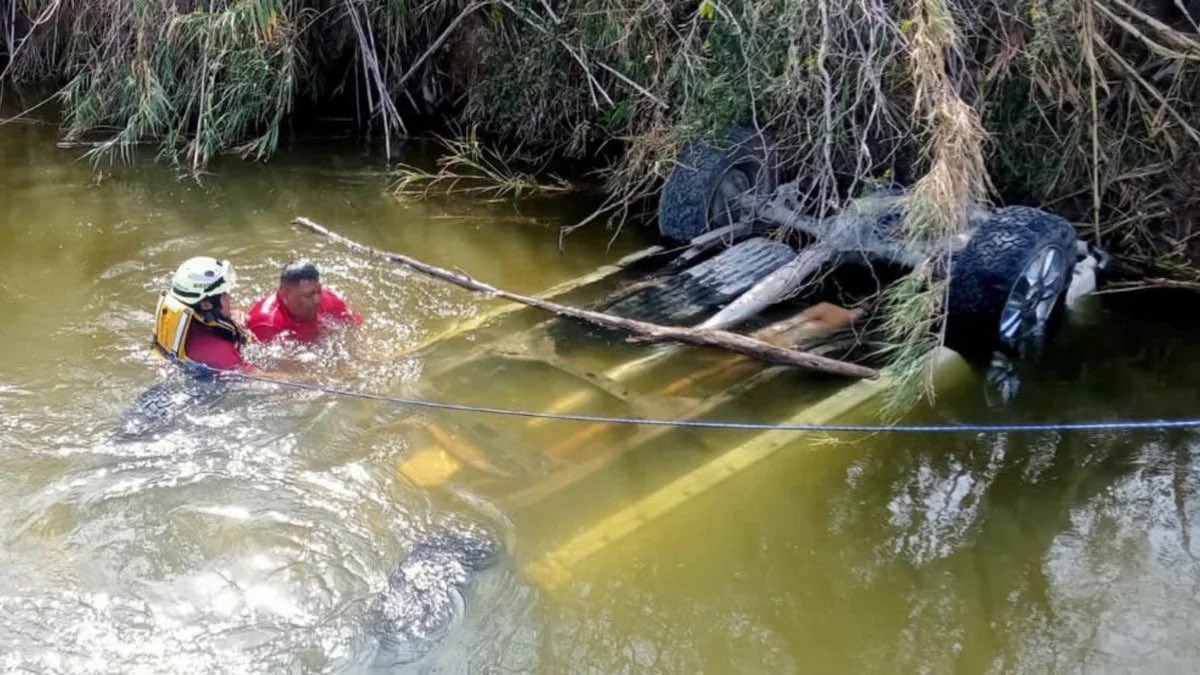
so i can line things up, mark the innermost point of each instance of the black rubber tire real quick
(684, 203)
(160, 405)
(984, 271)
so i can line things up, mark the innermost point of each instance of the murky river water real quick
(252, 534)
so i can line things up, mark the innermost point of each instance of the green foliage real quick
(913, 329)
(197, 83)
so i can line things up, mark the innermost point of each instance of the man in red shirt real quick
(299, 308)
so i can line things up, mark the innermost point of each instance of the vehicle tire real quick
(1007, 283)
(160, 405)
(696, 195)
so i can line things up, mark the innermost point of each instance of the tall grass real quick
(936, 208)
(1091, 103)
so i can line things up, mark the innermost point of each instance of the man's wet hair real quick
(297, 271)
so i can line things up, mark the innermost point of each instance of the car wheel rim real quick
(1032, 298)
(725, 207)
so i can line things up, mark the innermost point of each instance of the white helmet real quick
(202, 277)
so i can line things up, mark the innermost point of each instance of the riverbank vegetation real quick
(1089, 108)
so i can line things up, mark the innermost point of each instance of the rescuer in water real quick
(193, 322)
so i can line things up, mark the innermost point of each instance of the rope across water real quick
(1097, 425)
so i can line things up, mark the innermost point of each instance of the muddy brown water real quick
(251, 535)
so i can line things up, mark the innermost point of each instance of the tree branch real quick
(705, 338)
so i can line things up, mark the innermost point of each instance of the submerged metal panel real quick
(553, 570)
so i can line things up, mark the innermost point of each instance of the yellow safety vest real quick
(173, 320)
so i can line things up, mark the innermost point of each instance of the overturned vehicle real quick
(1012, 270)
(739, 255)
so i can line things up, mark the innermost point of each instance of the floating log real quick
(733, 342)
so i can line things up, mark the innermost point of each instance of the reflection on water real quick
(1023, 552)
(252, 533)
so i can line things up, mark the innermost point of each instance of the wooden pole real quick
(733, 342)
